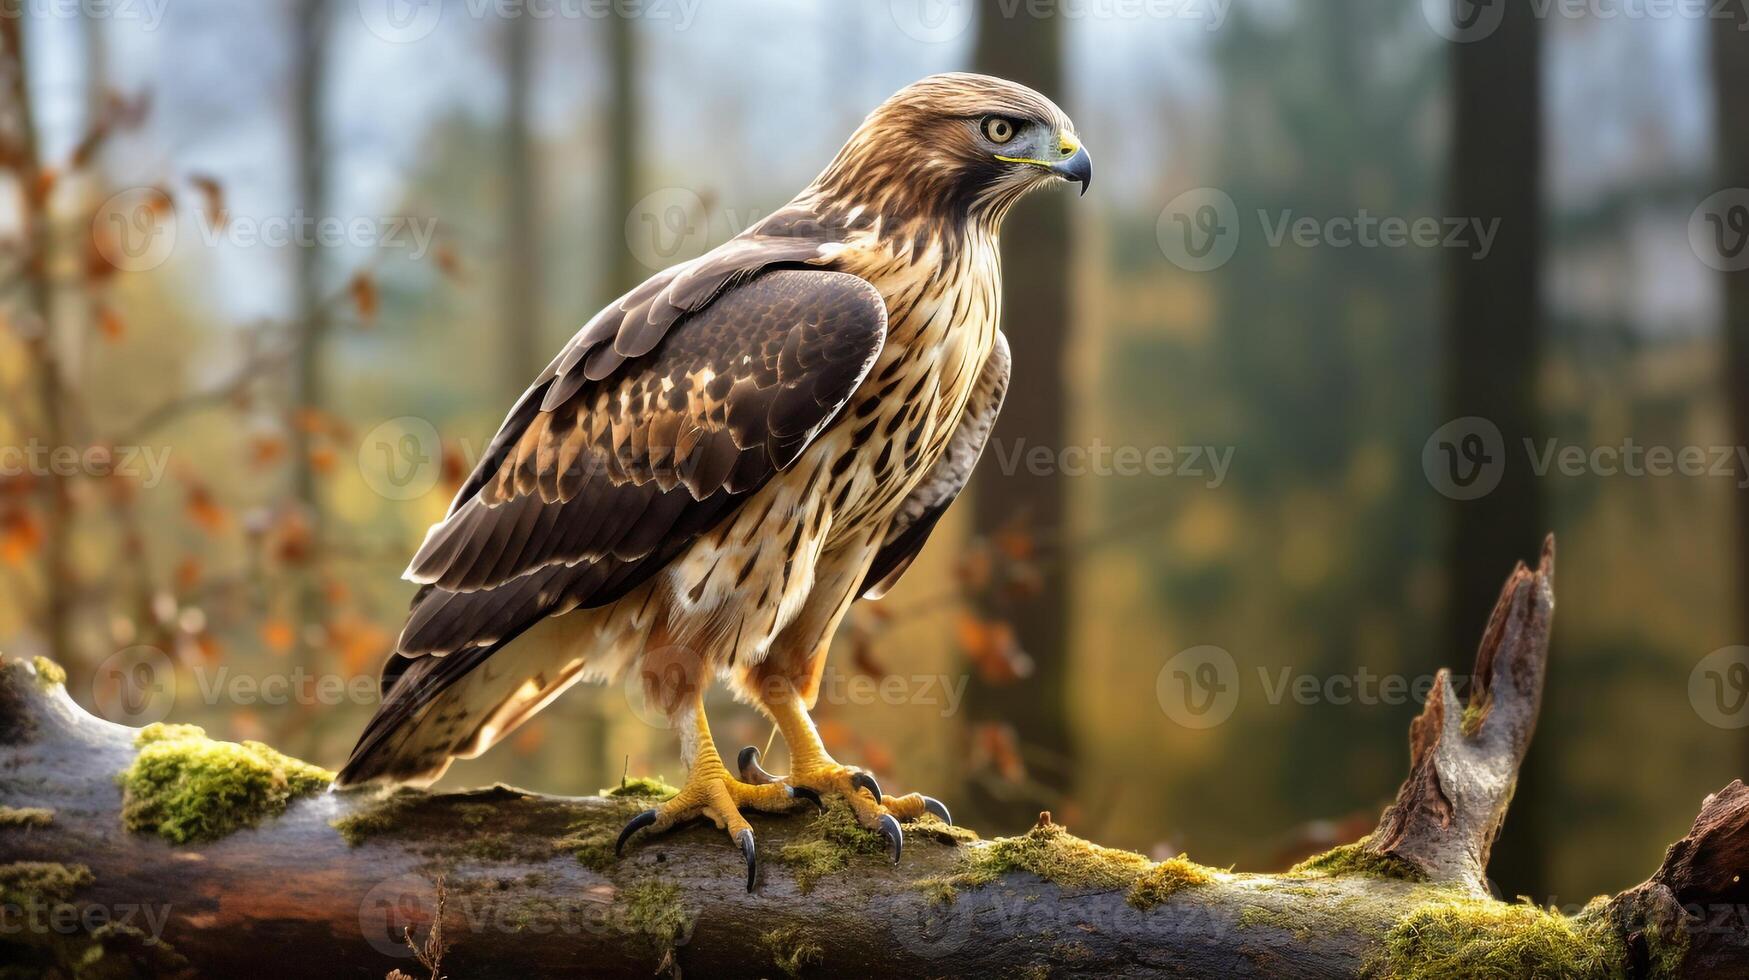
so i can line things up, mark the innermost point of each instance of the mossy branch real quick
(164, 853)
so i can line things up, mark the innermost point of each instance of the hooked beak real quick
(1078, 168)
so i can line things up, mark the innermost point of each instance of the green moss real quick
(17, 721)
(1471, 722)
(28, 883)
(791, 948)
(100, 951)
(1358, 859)
(48, 673)
(828, 844)
(1481, 939)
(1054, 854)
(186, 787)
(379, 818)
(1161, 881)
(1666, 945)
(26, 816)
(653, 909)
(642, 788)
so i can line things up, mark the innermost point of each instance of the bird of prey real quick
(726, 457)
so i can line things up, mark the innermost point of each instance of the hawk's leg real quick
(711, 793)
(811, 768)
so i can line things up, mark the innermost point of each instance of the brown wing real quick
(583, 497)
(923, 508)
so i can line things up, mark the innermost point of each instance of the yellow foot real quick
(720, 799)
(873, 810)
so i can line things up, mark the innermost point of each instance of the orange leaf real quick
(110, 324)
(204, 511)
(364, 295)
(448, 262)
(323, 460)
(213, 196)
(277, 635)
(187, 574)
(20, 536)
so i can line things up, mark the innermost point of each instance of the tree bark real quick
(1494, 333)
(1037, 317)
(291, 897)
(1730, 68)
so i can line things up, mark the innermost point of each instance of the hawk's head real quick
(957, 146)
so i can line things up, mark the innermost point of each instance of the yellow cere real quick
(1066, 145)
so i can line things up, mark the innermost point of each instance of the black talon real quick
(890, 830)
(751, 771)
(638, 823)
(935, 806)
(804, 793)
(747, 851)
(863, 780)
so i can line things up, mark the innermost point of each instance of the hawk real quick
(726, 457)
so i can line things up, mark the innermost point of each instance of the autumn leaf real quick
(213, 197)
(265, 450)
(277, 635)
(110, 324)
(21, 534)
(204, 511)
(991, 647)
(448, 262)
(323, 460)
(996, 746)
(364, 295)
(187, 574)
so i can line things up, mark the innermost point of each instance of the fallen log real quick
(158, 852)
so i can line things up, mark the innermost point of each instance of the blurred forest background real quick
(228, 425)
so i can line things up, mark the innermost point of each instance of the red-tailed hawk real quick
(720, 462)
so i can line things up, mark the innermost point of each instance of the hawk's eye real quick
(998, 130)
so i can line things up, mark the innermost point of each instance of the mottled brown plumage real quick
(721, 461)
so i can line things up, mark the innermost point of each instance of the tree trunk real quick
(528, 885)
(21, 155)
(1730, 64)
(309, 389)
(1494, 342)
(521, 334)
(622, 139)
(1038, 319)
